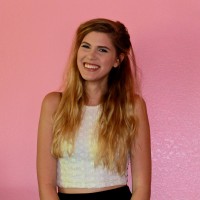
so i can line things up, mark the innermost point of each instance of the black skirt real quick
(121, 193)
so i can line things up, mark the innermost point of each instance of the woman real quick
(88, 133)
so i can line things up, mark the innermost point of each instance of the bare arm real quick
(141, 155)
(46, 163)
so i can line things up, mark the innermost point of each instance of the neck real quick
(94, 93)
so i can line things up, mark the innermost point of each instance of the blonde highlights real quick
(117, 124)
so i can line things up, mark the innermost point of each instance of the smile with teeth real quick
(90, 66)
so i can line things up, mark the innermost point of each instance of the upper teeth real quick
(91, 66)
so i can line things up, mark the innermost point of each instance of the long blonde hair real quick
(117, 124)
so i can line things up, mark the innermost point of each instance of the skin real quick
(141, 155)
(46, 164)
(96, 52)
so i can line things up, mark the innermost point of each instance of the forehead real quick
(98, 39)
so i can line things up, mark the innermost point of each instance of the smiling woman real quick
(96, 57)
(89, 133)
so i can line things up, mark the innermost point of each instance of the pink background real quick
(35, 37)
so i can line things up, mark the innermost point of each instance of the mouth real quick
(91, 66)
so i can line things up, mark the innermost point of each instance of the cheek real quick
(110, 62)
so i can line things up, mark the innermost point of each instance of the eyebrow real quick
(105, 47)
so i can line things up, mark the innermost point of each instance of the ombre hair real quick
(117, 124)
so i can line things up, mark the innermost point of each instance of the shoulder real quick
(139, 105)
(51, 101)
(140, 110)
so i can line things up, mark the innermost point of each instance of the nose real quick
(92, 55)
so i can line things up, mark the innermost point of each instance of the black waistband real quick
(121, 193)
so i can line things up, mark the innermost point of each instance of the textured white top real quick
(78, 171)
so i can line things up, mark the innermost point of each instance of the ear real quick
(119, 60)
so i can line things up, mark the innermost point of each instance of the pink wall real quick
(35, 37)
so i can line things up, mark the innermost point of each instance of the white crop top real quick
(78, 170)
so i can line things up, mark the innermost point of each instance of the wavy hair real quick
(117, 123)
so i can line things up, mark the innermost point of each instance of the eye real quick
(103, 50)
(85, 46)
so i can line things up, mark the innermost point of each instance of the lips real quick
(91, 66)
